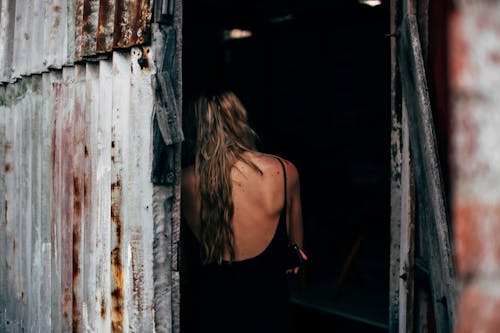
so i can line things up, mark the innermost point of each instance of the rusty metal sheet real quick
(105, 26)
(90, 20)
(39, 35)
(121, 87)
(76, 197)
(131, 196)
(140, 193)
(78, 28)
(131, 22)
(80, 192)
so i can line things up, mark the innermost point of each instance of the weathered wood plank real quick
(396, 166)
(406, 262)
(428, 177)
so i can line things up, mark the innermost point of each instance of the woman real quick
(244, 215)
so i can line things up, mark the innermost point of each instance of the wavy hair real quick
(219, 132)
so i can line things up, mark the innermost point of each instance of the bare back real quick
(258, 200)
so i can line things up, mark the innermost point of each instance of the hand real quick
(295, 270)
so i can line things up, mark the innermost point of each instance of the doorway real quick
(315, 79)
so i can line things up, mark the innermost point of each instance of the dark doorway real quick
(315, 78)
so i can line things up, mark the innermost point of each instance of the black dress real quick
(247, 296)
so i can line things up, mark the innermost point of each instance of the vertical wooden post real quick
(396, 170)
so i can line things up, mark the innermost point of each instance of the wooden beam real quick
(429, 185)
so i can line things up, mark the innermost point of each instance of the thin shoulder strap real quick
(284, 177)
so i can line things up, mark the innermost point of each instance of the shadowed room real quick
(315, 79)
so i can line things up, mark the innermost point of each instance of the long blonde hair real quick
(218, 125)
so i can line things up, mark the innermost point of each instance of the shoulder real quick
(270, 161)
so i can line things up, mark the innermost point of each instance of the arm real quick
(295, 223)
(295, 226)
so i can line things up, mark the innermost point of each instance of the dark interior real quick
(315, 79)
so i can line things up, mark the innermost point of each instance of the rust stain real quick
(143, 61)
(121, 25)
(76, 273)
(137, 280)
(86, 152)
(8, 167)
(117, 293)
(14, 245)
(57, 9)
(103, 308)
(66, 301)
(116, 186)
(105, 18)
(53, 140)
(116, 260)
(86, 191)
(26, 36)
(57, 22)
(77, 199)
(8, 145)
(6, 212)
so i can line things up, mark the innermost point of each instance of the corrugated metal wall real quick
(77, 145)
(83, 231)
